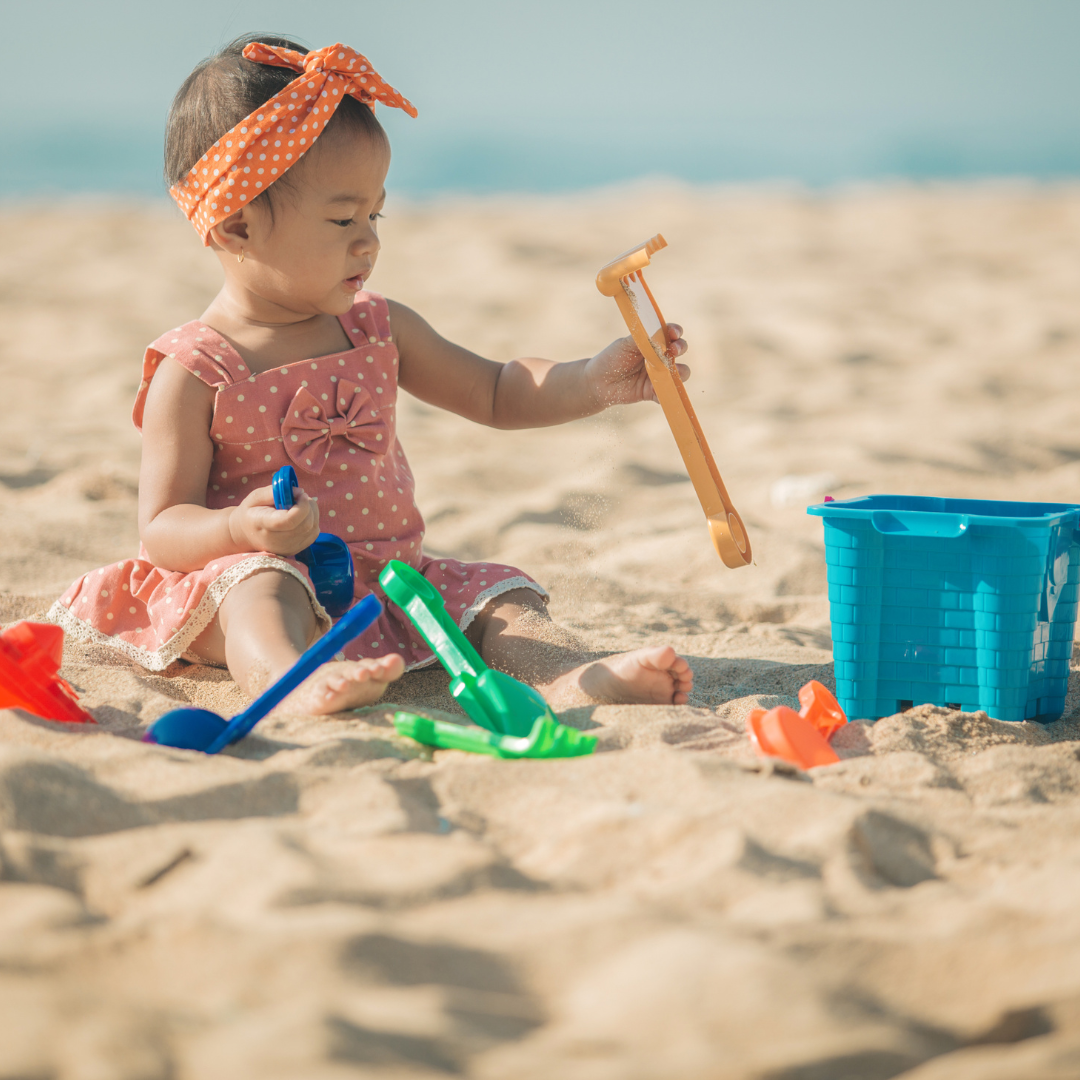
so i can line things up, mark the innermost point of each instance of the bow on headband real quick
(245, 161)
(310, 426)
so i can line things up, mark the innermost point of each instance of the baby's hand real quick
(617, 374)
(257, 526)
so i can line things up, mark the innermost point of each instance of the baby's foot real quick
(345, 684)
(653, 676)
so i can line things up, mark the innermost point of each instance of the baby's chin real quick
(338, 302)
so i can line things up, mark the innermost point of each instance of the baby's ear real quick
(231, 234)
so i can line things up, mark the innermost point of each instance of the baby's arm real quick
(178, 530)
(529, 392)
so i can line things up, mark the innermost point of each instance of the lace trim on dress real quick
(478, 605)
(173, 649)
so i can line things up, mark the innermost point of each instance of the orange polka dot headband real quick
(245, 161)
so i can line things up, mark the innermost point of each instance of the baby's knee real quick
(526, 599)
(266, 592)
(269, 581)
(509, 607)
(517, 608)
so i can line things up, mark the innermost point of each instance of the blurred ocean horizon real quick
(128, 162)
(570, 95)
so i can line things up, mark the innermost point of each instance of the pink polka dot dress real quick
(333, 419)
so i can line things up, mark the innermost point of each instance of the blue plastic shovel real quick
(328, 560)
(200, 729)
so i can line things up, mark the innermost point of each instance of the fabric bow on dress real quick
(245, 161)
(311, 425)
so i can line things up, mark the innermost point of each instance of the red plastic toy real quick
(30, 656)
(800, 738)
(821, 709)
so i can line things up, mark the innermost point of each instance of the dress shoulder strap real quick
(368, 320)
(195, 346)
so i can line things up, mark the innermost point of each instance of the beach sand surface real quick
(328, 900)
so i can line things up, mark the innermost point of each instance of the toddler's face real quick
(321, 244)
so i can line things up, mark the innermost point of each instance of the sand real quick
(328, 900)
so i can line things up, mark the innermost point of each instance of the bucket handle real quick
(917, 523)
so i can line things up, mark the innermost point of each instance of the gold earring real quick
(240, 257)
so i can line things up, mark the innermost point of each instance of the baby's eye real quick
(344, 222)
(375, 216)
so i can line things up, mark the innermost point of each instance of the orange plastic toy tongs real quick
(622, 279)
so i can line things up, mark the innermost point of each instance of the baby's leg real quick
(515, 634)
(263, 625)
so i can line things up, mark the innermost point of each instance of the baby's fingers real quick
(307, 504)
(676, 345)
(260, 503)
(282, 521)
(649, 394)
(284, 531)
(261, 496)
(303, 513)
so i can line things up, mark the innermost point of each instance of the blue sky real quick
(558, 95)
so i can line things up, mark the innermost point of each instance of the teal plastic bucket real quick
(965, 603)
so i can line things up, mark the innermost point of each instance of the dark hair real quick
(225, 88)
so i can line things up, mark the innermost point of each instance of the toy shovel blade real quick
(783, 733)
(511, 706)
(492, 699)
(623, 280)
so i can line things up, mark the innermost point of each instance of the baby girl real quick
(277, 159)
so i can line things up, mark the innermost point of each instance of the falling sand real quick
(329, 900)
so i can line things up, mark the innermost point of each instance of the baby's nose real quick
(368, 242)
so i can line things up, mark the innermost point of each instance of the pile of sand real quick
(328, 900)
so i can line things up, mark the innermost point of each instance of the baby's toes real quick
(358, 673)
(391, 667)
(682, 677)
(384, 669)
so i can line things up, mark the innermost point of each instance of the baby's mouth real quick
(356, 283)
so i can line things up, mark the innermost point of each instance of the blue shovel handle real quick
(353, 623)
(282, 484)
(328, 559)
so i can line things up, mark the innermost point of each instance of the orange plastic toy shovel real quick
(30, 656)
(783, 733)
(623, 280)
(800, 738)
(821, 709)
